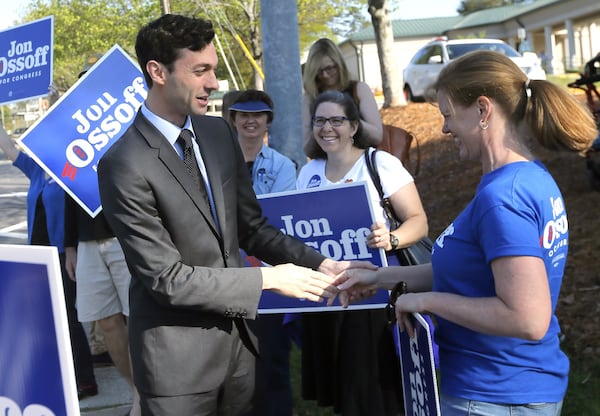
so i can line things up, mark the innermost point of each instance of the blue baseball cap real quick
(251, 107)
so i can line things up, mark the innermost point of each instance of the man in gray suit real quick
(192, 353)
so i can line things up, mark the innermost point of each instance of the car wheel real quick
(408, 95)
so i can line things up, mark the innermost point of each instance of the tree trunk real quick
(391, 76)
(256, 48)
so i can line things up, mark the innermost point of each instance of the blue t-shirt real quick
(518, 210)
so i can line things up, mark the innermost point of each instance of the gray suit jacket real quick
(188, 286)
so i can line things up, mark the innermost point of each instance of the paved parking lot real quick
(13, 208)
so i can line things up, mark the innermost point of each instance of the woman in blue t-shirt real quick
(497, 269)
(45, 226)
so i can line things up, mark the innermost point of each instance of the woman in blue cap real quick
(251, 114)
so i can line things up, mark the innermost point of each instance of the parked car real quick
(425, 66)
(18, 132)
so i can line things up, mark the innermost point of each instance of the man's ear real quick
(157, 72)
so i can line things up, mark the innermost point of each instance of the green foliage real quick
(231, 18)
(332, 19)
(84, 27)
(316, 19)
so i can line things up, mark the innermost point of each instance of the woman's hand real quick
(379, 237)
(356, 284)
(405, 305)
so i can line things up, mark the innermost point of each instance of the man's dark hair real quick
(163, 38)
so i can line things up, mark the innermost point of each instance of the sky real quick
(406, 9)
(10, 9)
(419, 9)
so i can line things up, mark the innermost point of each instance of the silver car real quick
(425, 66)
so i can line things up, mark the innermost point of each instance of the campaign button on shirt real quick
(314, 182)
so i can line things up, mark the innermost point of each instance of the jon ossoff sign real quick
(69, 140)
(321, 219)
(26, 61)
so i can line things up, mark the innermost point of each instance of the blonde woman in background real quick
(324, 70)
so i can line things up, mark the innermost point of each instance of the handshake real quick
(356, 280)
(350, 280)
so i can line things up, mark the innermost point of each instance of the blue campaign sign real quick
(70, 139)
(335, 221)
(419, 379)
(26, 60)
(36, 364)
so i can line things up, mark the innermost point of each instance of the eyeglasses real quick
(336, 121)
(329, 70)
(390, 310)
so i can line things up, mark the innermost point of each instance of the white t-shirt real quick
(391, 171)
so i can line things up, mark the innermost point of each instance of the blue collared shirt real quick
(272, 172)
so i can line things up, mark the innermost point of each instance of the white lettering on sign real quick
(22, 57)
(352, 244)
(111, 114)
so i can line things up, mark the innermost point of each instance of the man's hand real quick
(71, 262)
(298, 282)
(334, 268)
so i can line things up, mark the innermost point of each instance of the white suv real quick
(425, 66)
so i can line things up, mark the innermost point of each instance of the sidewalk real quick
(114, 395)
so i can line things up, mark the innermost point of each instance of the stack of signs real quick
(36, 364)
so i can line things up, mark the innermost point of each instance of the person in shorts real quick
(95, 260)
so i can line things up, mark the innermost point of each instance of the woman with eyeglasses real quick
(324, 70)
(496, 271)
(348, 358)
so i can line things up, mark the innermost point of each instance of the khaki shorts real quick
(102, 280)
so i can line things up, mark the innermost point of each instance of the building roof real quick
(436, 26)
(499, 14)
(410, 28)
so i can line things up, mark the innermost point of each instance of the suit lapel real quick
(171, 160)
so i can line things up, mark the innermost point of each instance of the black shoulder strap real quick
(355, 94)
(372, 167)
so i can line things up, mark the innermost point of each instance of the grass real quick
(564, 80)
(582, 397)
(303, 407)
